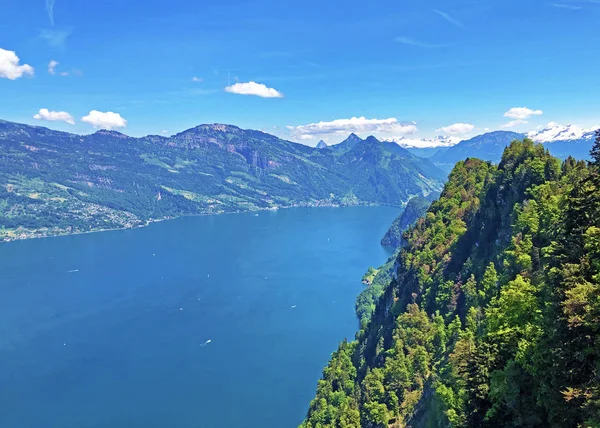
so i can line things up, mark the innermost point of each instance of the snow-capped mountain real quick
(439, 141)
(556, 132)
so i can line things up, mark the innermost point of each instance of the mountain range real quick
(56, 182)
(561, 141)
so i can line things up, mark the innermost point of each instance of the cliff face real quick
(493, 316)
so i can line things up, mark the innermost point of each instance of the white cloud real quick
(52, 67)
(9, 65)
(196, 79)
(457, 128)
(449, 18)
(514, 123)
(253, 88)
(105, 120)
(358, 125)
(522, 113)
(54, 116)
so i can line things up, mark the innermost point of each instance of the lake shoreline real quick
(25, 237)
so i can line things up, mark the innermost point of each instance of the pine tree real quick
(595, 152)
(489, 284)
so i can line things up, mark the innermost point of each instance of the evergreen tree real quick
(595, 152)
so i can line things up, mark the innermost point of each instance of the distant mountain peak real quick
(220, 127)
(556, 132)
(111, 133)
(351, 141)
(371, 139)
(321, 144)
(352, 138)
(209, 129)
(439, 141)
(487, 146)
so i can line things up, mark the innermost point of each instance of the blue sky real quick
(410, 69)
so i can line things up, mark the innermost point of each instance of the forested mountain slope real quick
(415, 209)
(54, 182)
(492, 318)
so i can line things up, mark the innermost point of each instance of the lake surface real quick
(217, 321)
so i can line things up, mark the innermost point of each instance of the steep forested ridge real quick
(55, 182)
(378, 279)
(492, 316)
(415, 208)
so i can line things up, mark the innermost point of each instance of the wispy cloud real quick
(566, 6)
(450, 19)
(55, 38)
(412, 42)
(50, 10)
(514, 123)
(196, 79)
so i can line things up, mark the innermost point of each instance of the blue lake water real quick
(217, 321)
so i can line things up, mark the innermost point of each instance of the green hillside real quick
(56, 183)
(493, 313)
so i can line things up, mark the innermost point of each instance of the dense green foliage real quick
(376, 281)
(415, 209)
(56, 182)
(492, 317)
